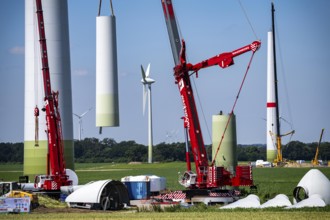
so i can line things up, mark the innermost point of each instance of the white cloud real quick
(80, 72)
(16, 50)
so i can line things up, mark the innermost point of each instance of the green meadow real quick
(270, 182)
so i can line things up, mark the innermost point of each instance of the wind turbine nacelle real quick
(145, 76)
(147, 81)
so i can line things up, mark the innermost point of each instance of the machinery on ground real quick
(207, 176)
(21, 194)
(7, 187)
(13, 190)
(315, 161)
(56, 173)
(278, 136)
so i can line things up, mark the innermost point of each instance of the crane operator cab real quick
(39, 181)
(188, 179)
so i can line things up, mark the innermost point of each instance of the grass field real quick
(216, 215)
(270, 182)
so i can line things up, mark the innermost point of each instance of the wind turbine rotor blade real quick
(148, 71)
(85, 112)
(143, 74)
(76, 115)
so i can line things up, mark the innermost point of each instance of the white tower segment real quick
(147, 81)
(107, 104)
(57, 32)
(271, 102)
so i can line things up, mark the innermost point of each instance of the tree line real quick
(93, 150)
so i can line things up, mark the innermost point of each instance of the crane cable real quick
(202, 110)
(111, 8)
(193, 80)
(232, 110)
(199, 101)
(291, 124)
(248, 20)
(241, 86)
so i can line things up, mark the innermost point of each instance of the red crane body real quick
(206, 176)
(56, 174)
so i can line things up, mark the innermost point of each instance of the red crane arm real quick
(53, 119)
(182, 78)
(173, 32)
(225, 59)
(206, 176)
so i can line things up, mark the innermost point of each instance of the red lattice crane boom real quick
(56, 173)
(206, 176)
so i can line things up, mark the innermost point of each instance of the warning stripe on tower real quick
(271, 104)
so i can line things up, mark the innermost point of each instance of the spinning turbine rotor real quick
(147, 81)
(80, 121)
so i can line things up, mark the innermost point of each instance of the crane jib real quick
(206, 176)
(55, 158)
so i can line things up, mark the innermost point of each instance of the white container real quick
(157, 183)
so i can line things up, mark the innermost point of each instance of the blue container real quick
(138, 190)
(63, 197)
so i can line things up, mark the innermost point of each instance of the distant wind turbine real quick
(80, 121)
(147, 81)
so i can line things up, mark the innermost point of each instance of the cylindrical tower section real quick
(271, 102)
(227, 156)
(57, 38)
(107, 108)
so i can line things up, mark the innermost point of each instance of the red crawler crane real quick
(56, 174)
(206, 176)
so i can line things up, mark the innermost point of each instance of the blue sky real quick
(209, 28)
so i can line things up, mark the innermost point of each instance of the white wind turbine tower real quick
(147, 81)
(80, 121)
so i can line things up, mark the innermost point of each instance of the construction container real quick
(138, 187)
(157, 183)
